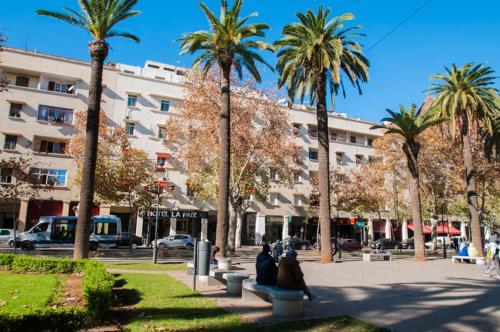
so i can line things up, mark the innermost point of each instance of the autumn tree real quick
(123, 175)
(261, 144)
(18, 183)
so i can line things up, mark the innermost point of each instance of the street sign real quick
(174, 214)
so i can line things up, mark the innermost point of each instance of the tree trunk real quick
(225, 161)
(239, 223)
(324, 169)
(470, 178)
(98, 52)
(411, 151)
(231, 232)
(434, 234)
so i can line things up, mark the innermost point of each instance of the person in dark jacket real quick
(290, 275)
(265, 267)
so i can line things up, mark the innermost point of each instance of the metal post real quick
(195, 263)
(155, 243)
(444, 244)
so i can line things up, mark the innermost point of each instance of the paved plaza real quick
(402, 295)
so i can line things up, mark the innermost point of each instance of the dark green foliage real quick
(60, 319)
(6, 260)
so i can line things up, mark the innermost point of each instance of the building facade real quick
(37, 118)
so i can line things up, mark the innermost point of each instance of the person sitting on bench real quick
(290, 275)
(267, 271)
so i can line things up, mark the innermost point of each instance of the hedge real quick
(97, 290)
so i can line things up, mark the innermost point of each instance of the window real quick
(55, 114)
(333, 136)
(53, 147)
(64, 230)
(370, 142)
(296, 129)
(129, 72)
(296, 176)
(41, 228)
(6, 175)
(313, 154)
(371, 159)
(353, 139)
(161, 162)
(129, 128)
(10, 142)
(132, 100)
(314, 200)
(273, 175)
(273, 199)
(160, 78)
(340, 157)
(359, 160)
(313, 131)
(15, 110)
(46, 176)
(22, 81)
(189, 190)
(105, 228)
(60, 87)
(4, 232)
(297, 200)
(160, 132)
(153, 66)
(165, 105)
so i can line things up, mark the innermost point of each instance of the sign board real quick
(174, 214)
(360, 224)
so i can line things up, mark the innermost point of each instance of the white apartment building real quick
(37, 114)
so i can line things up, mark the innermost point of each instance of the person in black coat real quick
(267, 272)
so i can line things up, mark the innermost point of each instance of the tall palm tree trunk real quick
(225, 161)
(98, 52)
(324, 168)
(416, 208)
(470, 178)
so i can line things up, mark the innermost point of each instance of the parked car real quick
(407, 244)
(447, 241)
(296, 243)
(126, 238)
(6, 234)
(384, 244)
(175, 241)
(350, 245)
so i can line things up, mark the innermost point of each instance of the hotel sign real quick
(174, 214)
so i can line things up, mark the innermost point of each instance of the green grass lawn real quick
(147, 266)
(162, 303)
(23, 291)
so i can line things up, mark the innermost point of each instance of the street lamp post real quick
(155, 243)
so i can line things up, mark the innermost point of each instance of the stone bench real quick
(232, 280)
(224, 263)
(477, 260)
(371, 257)
(285, 302)
(189, 267)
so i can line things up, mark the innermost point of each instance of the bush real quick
(61, 319)
(97, 290)
(6, 260)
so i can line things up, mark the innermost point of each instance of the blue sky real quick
(445, 31)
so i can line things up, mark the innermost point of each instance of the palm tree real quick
(409, 124)
(98, 18)
(228, 45)
(465, 97)
(313, 54)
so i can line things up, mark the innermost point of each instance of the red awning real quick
(427, 229)
(445, 229)
(162, 155)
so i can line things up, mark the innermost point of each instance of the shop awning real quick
(427, 229)
(162, 155)
(441, 229)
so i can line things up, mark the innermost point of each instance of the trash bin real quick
(204, 258)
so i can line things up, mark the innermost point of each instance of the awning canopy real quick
(162, 155)
(441, 229)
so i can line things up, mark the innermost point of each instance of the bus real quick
(59, 232)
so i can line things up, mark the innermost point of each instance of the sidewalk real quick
(402, 295)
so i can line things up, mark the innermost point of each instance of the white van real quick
(59, 232)
(439, 243)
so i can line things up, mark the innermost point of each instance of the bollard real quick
(204, 248)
